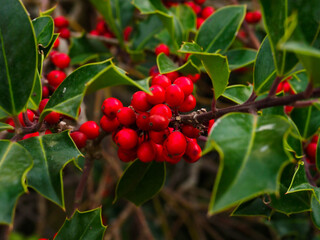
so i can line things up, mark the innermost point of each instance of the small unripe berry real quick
(61, 60)
(126, 139)
(110, 107)
(126, 116)
(30, 115)
(158, 122)
(61, 22)
(161, 109)
(174, 96)
(185, 84)
(158, 95)
(143, 121)
(146, 152)
(175, 144)
(109, 125)
(56, 77)
(207, 12)
(139, 102)
(90, 129)
(162, 48)
(188, 104)
(79, 138)
(161, 80)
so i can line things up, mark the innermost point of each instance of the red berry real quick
(159, 149)
(90, 129)
(154, 71)
(174, 96)
(56, 43)
(127, 32)
(143, 121)
(43, 104)
(162, 48)
(126, 139)
(242, 34)
(196, 8)
(193, 152)
(127, 155)
(108, 35)
(139, 101)
(56, 77)
(30, 135)
(211, 122)
(280, 87)
(45, 92)
(188, 104)
(109, 125)
(61, 22)
(161, 109)
(172, 76)
(158, 122)
(185, 84)
(79, 139)
(315, 139)
(48, 131)
(175, 144)
(10, 122)
(101, 27)
(161, 80)
(286, 87)
(146, 152)
(111, 106)
(30, 115)
(200, 21)
(64, 33)
(126, 116)
(52, 118)
(257, 16)
(207, 12)
(169, 158)
(61, 60)
(190, 131)
(199, 1)
(312, 150)
(288, 109)
(249, 17)
(158, 95)
(194, 78)
(158, 137)
(94, 32)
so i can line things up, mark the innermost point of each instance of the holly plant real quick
(157, 116)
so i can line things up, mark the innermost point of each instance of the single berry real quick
(30, 115)
(101, 27)
(127, 155)
(127, 32)
(242, 34)
(43, 104)
(169, 158)
(61, 22)
(185, 84)
(45, 92)
(190, 131)
(172, 76)
(90, 129)
(158, 137)
(162, 48)
(312, 150)
(279, 87)
(175, 144)
(52, 118)
(61, 60)
(200, 21)
(188, 104)
(207, 12)
(257, 16)
(126, 139)
(161, 109)
(139, 102)
(146, 152)
(158, 122)
(48, 131)
(56, 43)
(194, 78)
(109, 125)
(30, 135)
(200, 1)
(143, 121)
(64, 33)
(56, 77)
(79, 138)
(157, 96)
(154, 71)
(250, 17)
(174, 96)
(111, 106)
(161, 80)
(159, 151)
(193, 152)
(288, 109)
(211, 122)
(286, 87)
(126, 116)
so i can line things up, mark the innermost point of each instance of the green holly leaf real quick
(44, 29)
(249, 165)
(36, 94)
(15, 162)
(4, 126)
(18, 56)
(299, 81)
(47, 12)
(187, 19)
(50, 153)
(67, 98)
(254, 207)
(219, 30)
(141, 181)
(166, 65)
(83, 225)
(85, 49)
(238, 93)
(215, 64)
(315, 214)
(239, 58)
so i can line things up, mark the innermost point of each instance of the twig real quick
(4, 232)
(274, 86)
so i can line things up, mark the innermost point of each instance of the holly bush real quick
(237, 82)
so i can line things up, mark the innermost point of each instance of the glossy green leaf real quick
(307, 120)
(250, 165)
(216, 66)
(289, 203)
(47, 12)
(123, 12)
(275, 13)
(4, 126)
(18, 56)
(187, 19)
(45, 51)
(44, 28)
(264, 69)
(254, 207)
(15, 162)
(238, 93)
(67, 98)
(144, 31)
(141, 181)
(84, 49)
(83, 225)
(50, 153)
(36, 94)
(299, 81)
(166, 65)
(219, 30)
(294, 140)
(315, 214)
(3, 114)
(239, 58)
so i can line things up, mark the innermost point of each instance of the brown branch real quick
(274, 86)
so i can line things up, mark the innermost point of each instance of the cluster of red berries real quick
(253, 17)
(62, 24)
(88, 130)
(285, 87)
(145, 130)
(311, 150)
